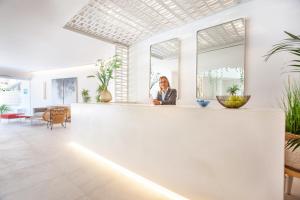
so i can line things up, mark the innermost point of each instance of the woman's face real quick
(163, 83)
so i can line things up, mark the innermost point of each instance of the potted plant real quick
(4, 109)
(233, 100)
(291, 106)
(103, 76)
(233, 90)
(291, 100)
(85, 96)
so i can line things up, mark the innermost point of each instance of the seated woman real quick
(166, 95)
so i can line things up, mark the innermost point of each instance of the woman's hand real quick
(156, 102)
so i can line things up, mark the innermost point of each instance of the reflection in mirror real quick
(220, 59)
(164, 62)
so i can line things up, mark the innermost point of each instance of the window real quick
(15, 93)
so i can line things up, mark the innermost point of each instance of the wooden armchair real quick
(55, 116)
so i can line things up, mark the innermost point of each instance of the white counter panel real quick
(210, 154)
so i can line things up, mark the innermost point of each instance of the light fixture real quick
(141, 180)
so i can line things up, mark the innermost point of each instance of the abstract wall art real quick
(64, 91)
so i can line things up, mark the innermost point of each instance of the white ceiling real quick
(32, 37)
(128, 21)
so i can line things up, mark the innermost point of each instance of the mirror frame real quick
(179, 65)
(244, 51)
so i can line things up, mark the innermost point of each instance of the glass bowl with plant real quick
(233, 100)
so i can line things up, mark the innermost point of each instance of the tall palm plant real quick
(291, 101)
(290, 45)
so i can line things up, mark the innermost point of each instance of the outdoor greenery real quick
(4, 109)
(291, 100)
(85, 95)
(105, 72)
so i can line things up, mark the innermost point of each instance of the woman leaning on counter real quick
(166, 95)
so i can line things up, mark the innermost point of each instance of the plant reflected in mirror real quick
(220, 59)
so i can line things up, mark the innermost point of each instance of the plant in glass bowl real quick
(233, 90)
(233, 100)
(103, 77)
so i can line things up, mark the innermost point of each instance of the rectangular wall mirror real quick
(164, 61)
(220, 59)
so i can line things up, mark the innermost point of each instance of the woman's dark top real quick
(170, 97)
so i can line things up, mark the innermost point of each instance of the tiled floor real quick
(36, 164)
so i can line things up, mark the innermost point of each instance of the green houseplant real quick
(103, 75)
(85, 96)
(291, 105)
(233, 90)
(291, 99)
(4, 109)
(290, 45)
(233, 100)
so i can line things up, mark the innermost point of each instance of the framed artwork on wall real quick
(64, 91)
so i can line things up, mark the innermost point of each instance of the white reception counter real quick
(209, 154)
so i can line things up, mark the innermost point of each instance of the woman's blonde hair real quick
(164, 77)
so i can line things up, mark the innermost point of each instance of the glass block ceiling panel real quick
(127, 21)
(227, 34)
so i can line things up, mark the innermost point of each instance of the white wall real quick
(266, 21)
(39, 78)
(12, 73)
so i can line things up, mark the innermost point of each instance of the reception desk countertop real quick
(199, 153)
